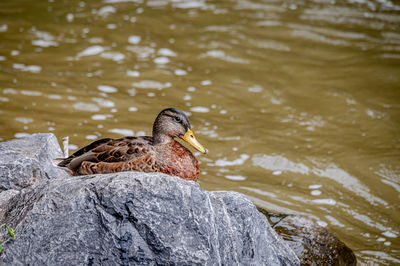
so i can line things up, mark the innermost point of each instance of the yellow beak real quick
(191, 139)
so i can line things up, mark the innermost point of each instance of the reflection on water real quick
(297, 101)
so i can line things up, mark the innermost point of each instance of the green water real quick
(298, 102)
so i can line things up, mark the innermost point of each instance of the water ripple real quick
(122, 131)
(331, 171)
(151, 84)
(31, 68)
(92, 50)
(224, 162)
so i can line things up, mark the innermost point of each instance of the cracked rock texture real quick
(26, 161)
(124, 218)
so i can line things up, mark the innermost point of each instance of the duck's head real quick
(171, 123)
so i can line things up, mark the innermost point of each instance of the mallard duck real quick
(159, 153)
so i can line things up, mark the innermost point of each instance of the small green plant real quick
(10, 232)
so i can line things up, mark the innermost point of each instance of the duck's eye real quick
(177, 119)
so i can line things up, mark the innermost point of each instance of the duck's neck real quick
(161, 139)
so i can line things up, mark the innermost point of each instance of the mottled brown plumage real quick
(159, 153)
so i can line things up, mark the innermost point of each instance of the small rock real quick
(313, 244)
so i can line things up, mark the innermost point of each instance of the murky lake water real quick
(297, 101)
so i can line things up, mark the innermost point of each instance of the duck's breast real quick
(175, 159)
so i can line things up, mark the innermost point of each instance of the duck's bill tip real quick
(191, 139)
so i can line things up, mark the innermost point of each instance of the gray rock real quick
(133, 219)
(27, 161)
(137, 218)
(6, 202)
(312, 243)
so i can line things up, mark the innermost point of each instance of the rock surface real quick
(26, 161)
(312, 243)
(124, 218)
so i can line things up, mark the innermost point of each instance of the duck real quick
(160, 152)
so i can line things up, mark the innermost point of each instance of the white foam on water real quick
(104, 103)
(131, 92)
(106, 88)
(54, 96)
(166, 52)
(255, 88)
(123, 1)
(106, 10)
(279, 163)
(115, 56)
(122, 131)
(44, 43)
(161, 60)
(31, 68)
(89, 107)
(3, 28)
(200, 109)
(180, 72)
(132, 73)
(31, 93)
(235, 177)
(21, 135)
(100, 116)
(92, 50)
(324, 201)
(206, 82)
(390, 234)
(316, 192)
(239, 161)
(24, 120)
(134, 39)
(91, 137)
(150, 84)
(72, 147)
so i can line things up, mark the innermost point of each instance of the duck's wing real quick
(109, 151)
(93, 145)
